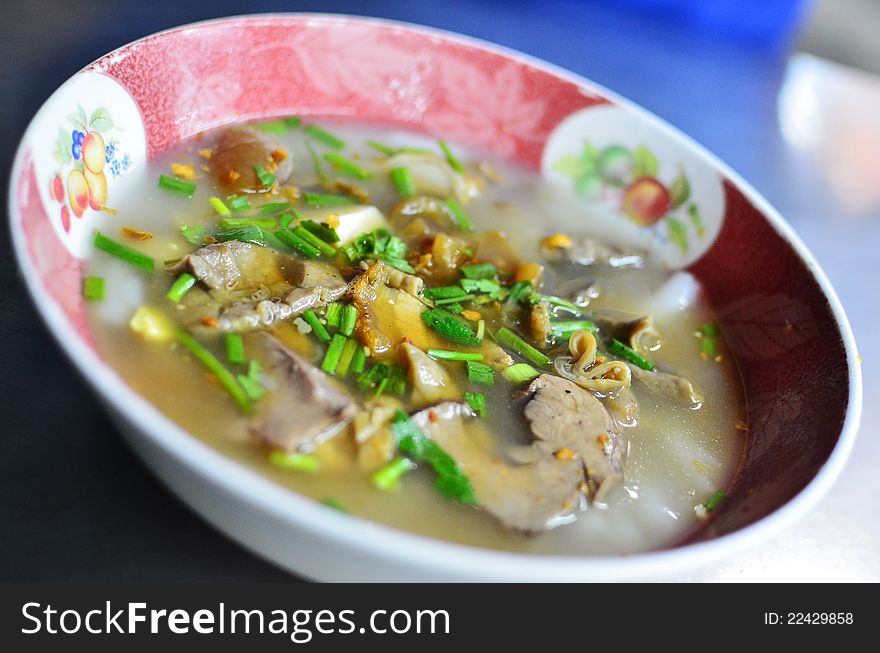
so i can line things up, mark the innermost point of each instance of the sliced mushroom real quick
(430, 382)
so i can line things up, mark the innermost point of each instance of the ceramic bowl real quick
(781, 318)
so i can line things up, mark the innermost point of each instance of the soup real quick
(430, 340)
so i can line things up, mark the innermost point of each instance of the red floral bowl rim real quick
(448, 559)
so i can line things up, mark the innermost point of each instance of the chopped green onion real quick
(399, 264)
(563, 330)
(235, 348)
(481, 330)
(455, 308)
(480, 373)
(451, 481)
(254, 389)
(224, 376)
(620, 350)
(556, 301)
(314, 241)
(185, 188)
(334, 314)
(443, 292)
(480, 285)
(322, 231)
(321, 200)
(347, 166)
(93, 288)
(348, 319)
(403, 181)
(296, 461)
(334, 351)
(336, 504)
(325, 137)
(273, 208)
(509, 340)
(396, 380)
(717, 497)
(520, 373)
(194, 234)
(388, 477)
(316, 163)
(345, 358)
(286, 219)
(709, 336)
(266, 178)
(453, 161)
(462, 221)
(372, 377)
(461, 297)
(291, 239)
(274, 241)
(293, 122)
(450, 327)
(519, 291)
(238, 202)
(359, 361)
(246, 234)
(444, 354)
(124, 252)
(235, 223)
(317, 328)
(219, 206)
(479, 271)
(384, 149)
(477, 401)
(180, 287)
(278, 127)
(255, 370)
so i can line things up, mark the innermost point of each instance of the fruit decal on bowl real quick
(86, 146)
(629, 180)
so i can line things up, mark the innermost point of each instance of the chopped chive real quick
(372, 377)
(384, 149)
(444, 354)
(359, 361)
(563, 330)
(317, 328)
(275, 242)
(322, 231)
(345, 358)
(253, 389)
(717, 497)
(246, 234)
(442, 292)
(235, 348)
(479, 271)
(238, 202)
(461, 297)
(325, 137)
(520, 373)
(450, 327)
(509, 340)
(219, 206)
(348, 319)
(481, 330)
(296, 461)
(480, 285)
(709, 337)
(272, 208)
(314, 241)
(194, 234)
(399, 264)
(403, 181)
(556, 301)
(321, 200)
(454, 308)
(266, 178)
(93, 288)
(461, 219)
(334, 314)
(334, 351)
(316, 163)
(480, 373)
(453, 161)
(381, 387)
(477, 401)
(286, 219)
(347, 166)
(388, 477)
(185, 188)
(397, 380)
(293, 122)
(180, 287)
(224, 376)
(235, 223)
(620, 350)
(124, 252)
(336, 504)
(291, 239)
(519, 291)
(272, 126)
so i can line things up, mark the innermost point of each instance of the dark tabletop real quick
(75, 503)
